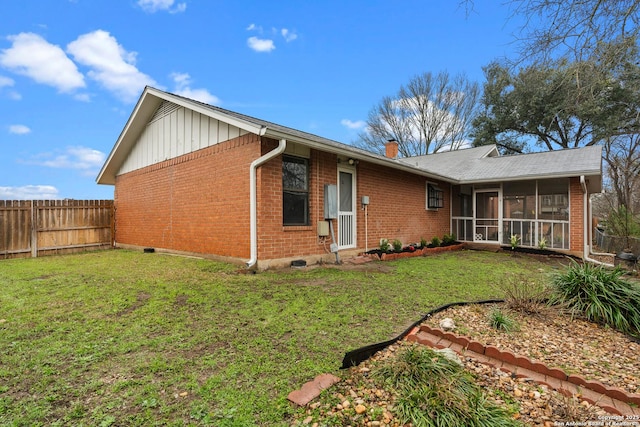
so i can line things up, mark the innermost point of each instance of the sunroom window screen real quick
(295, 188)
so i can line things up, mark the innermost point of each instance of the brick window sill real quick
(297, 228)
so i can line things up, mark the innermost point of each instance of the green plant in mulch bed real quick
(502, 321)
(435, 391)
(599, 294)
(524, 294)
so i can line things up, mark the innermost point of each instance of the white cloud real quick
(84, 97)
(111, 65)
(6, 81)
(152, 6)
(288, 35)
(19, 129)
(183, 88)
(260, 45)
(353, 125)
(267, 44)
(32, 56)
(85, 159)
(29, 192)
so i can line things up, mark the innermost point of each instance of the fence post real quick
(34, 230)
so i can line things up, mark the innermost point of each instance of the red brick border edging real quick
(438, 338)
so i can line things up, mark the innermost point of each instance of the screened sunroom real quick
(535, 212)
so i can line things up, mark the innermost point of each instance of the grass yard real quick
(126, 338)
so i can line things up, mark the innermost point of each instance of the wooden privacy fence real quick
(32, 228)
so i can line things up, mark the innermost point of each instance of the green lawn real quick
(126, 338)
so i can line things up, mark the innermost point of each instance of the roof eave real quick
(372, 158)
(590, 174)
(146, 106)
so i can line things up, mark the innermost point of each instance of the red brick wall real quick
(198, 202)
(576, 215)
(397, 202)
(275, 240)
(396, 209)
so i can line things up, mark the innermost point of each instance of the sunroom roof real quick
(481, 164)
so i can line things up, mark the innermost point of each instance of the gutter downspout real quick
(253, 198)
(586, 251)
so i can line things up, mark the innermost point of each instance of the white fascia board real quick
(195, 106)
(391, 163)
(135, 124)
(588, 174)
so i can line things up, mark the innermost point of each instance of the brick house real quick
(194, 178)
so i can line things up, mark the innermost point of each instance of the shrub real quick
(524, 294)
(600, 295)
(435, 242)
(423, 242)
(514, 241)
(501, 321)
(435, 391)
(384, 245)
(542, 243)
(448, 239)
(397, 245)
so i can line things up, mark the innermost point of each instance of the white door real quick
(346, 209)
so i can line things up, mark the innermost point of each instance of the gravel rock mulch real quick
(573, 345)
(555, 338)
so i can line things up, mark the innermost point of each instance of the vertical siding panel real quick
(223, 132)
(155, 142)
(188, 125)
(177, 124)
(234, 132)
(212, 139)
(147, 155)
(196, 132)
(173, 136)
(204, 131)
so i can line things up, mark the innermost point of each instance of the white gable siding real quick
(174, 131)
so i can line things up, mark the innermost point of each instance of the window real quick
(553, 199)
(435, 197)
(295, 191)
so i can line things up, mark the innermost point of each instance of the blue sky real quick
(72, 70)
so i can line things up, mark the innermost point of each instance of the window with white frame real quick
(435, 197)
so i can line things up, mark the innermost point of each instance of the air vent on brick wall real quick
(163, 110)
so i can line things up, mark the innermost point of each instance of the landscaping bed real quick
(581, 343)
(413, 251)
(557, 339)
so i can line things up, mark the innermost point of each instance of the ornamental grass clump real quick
(501, 321)
(599, 294)
(435, 391)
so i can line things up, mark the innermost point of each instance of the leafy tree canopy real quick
(560, 104)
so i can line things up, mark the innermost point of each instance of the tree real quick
(571, 28)
(622, 159)
(429, 114)
(559, 104)
(577, 27)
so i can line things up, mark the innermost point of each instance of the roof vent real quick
(163, 110)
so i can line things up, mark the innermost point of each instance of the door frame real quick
(498, 191)
(350, 170)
